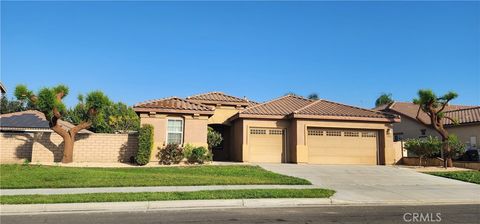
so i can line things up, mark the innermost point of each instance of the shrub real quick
(171, 154)
(187, 150)
(214, 138)
(145, 144)
(426, 147)
(200, 155)
(457, 147)
(26, 162)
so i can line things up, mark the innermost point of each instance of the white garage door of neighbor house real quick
(342, 146)
(267, 145)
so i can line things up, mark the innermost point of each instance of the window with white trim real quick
(175, 131)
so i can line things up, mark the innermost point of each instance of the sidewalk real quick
(49, 191)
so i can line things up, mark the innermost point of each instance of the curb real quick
(146, 206)
(157, 205)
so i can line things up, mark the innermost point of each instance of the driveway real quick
(381, 184)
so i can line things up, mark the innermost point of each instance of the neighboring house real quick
(3, 90)
(467, 128)
(287, 129)
(29, 121)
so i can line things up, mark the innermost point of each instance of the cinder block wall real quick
(15, 147)
(48, 146)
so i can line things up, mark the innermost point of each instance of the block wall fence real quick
(15, 147)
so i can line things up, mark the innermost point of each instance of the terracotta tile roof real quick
(463, 116)
(219, 98)
(410, 110)
(325, 108)
(282, 106)
(30, 120)
(292, 106)
(173, 105)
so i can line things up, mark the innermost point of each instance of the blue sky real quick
(348, 52)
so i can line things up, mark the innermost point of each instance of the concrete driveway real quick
(381, 184)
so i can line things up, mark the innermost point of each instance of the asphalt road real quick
(326, 214)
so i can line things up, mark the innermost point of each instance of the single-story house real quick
(467, 128)
(289, 129)
(29, 121)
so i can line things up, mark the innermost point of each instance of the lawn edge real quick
(312, 193)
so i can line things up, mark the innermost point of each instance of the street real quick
(326, 214)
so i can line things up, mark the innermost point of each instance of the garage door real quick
(342, 146)
(266, 145)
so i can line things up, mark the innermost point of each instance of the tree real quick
(49, 101)
(384, 98)
(434, 107)
(290, 93)
(113, 118)
(10, 106)
(313, 96)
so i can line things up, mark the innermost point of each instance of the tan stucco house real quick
(289, 129)
(467, 128)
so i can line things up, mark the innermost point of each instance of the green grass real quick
(467, 176)
(36, 176)
(163, 196)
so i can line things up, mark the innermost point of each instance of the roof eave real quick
(260, 116)
(173, 111)
(347, 118)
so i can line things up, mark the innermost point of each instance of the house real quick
(3, 89)
(288, 129)
(467, 117)
(29, 121)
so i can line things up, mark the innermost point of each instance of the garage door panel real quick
(266, 144)
(342, 146)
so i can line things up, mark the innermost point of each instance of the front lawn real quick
(163, 196)
(36, 176)
(467, 176)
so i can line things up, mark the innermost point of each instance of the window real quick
(351, 134)
(175, 131)
(473, 142)
(275, 132)
(258, 131)
(397, 137)
(333, 133)
(314, 132)
(370, 134)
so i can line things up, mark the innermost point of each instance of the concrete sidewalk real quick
(47, 191)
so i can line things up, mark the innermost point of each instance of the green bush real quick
(425, 147)
(187, 150)
(214, 138)
(200, 155)
(457, 147)
(171, 154)
(145, 144)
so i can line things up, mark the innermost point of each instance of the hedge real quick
(145, 144)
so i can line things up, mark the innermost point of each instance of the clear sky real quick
(348, 52)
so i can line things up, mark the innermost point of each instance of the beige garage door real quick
(342, 146)
(267, 145)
